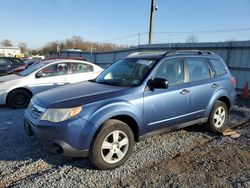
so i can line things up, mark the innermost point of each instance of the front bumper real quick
(70, 138)
(3, 95)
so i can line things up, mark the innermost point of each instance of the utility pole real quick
(153, 9)
(139, 39)
(58, 50)
(169, 44)
(92, 49)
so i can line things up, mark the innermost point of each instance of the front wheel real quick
(218, 117)
(19, 98)
(112, 145)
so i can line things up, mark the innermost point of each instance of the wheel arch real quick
(20, 88)
(120, 110)
(226, 101)
(130, 121)
(221, 95)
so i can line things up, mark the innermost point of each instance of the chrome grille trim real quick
(35, 111)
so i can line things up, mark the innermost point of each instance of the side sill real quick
(174, 127)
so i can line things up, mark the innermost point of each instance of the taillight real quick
(233, 81)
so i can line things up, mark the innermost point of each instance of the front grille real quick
(35, 111)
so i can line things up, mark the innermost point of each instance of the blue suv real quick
(141, 95)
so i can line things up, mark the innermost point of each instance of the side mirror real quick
(40, 74)
(158, 83)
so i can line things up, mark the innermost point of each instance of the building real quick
(9, 51)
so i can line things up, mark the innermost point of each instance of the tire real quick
(108, 154)
(218, 118)
(18, 99)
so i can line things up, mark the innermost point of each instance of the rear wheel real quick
(112, 145)
(18, 98)
(218, 117)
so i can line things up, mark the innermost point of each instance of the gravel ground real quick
(190, 157)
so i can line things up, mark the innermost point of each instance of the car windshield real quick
(31, 69)
(126, 72)
(19, 61)
(31, 61)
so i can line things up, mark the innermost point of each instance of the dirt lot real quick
(191, 157)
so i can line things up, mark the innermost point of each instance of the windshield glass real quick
(126, 72)
(31, 69)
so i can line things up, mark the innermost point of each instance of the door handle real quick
(214, 85)
(184, 92)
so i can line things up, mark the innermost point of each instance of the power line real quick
(124, 37)
(180, 32)
(206, 31)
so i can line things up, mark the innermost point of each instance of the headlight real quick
(59, 115)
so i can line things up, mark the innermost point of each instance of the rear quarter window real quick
(218, 66)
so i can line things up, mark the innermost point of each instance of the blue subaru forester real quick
(141, 95)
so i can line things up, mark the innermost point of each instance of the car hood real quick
(76, 95)
(9, 77)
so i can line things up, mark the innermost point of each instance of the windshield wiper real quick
(108, 83)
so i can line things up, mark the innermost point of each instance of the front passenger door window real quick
(54, 70)
(172, 71)
(50, 77)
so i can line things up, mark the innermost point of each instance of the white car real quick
(16, 90)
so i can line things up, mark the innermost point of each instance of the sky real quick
(37, 22)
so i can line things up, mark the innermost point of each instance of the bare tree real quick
(192, 39)
(6, 43)
(77, 42)
(22, 46)
(50, 48)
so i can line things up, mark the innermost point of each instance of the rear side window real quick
(80, 68)
(218, 66)
(198, 69)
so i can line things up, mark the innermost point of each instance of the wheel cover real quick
(19, 99)
(219, 117)
(114, 147)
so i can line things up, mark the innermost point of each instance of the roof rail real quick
(172, 52)
(168, 52)
(198, 52)
(145, 53)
